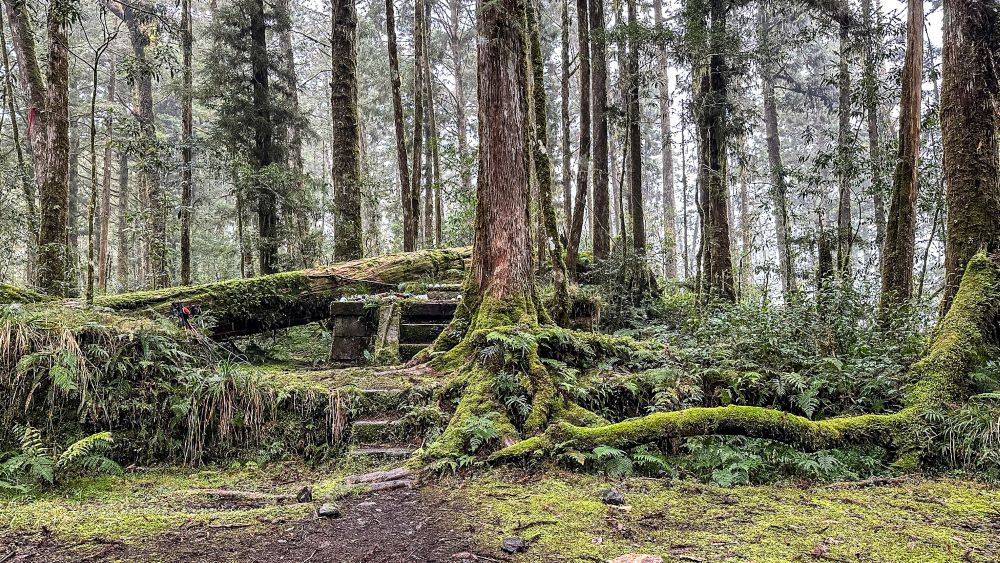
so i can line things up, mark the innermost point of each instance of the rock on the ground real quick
(514, 545)
(613, 497)
(329, 510)
(637, 558)
(305, 495)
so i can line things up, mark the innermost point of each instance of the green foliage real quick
(793, 357)
(480, 431)
(37, 464)
(615, 463)
(733, 460)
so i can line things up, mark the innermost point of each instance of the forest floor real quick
(173, 514)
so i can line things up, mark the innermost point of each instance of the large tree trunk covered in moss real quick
(711, 100)
(247, 306)
(500, 289)
(48, 132)
(969, 94)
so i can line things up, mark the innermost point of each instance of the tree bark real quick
(844, 232)
(123, 247)
(28, 188)
(187, 140)
(636, 200)
(305, 250)
(779, 188)
(601, 219)
(564, 130)
(419, 26)
(900, 235)
(457, 41)
(667, 154)
(583, 158)
(264, 151)
(148, 163)
(402, 160)
(543, 169)
(870, 97)
(711, 103)
(104, 230)
(969, 105)
(346, 171)
(48, 133)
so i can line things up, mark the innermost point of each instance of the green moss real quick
(13, 294)
(138, 507)
(917, 520)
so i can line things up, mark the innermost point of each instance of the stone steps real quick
(380, 431)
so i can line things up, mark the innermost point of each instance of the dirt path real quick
(394, 526)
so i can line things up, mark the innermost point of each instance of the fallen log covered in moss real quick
(242, 307)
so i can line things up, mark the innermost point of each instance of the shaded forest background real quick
(811, 138)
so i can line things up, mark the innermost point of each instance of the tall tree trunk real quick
(402, 161)
(54, 275)
(28, 188)
(104, 230)
(684, 199)
(636, 200)
(346, 171)
(92, 200)
(870, 97)
(711, 103)
(123, 248)
(667, 151)
(187, 140)
(73, 205)
(601, 218)
(430, 126)
(583, 159)
(148, 165)
(264, 153)
(543, 168)
(779, 188)
(844, 233)
(434, 198)
(419, 27)
(564, 130)
(458, 42)
(305, 252)
(897, 255)
(969, 99)
(501, 277)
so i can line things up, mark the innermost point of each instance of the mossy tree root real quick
(961, 342)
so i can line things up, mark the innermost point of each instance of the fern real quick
(480, 431)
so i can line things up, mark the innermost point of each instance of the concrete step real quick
(379, 430)
(428, 311)
(407, 351)
(383, 402)
(420, 333)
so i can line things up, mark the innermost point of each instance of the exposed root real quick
(963, 339)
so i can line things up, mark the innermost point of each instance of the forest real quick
(506, 280)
